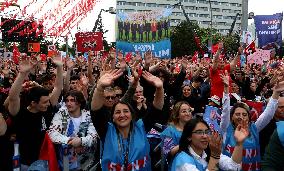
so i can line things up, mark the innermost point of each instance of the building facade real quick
(223, 11)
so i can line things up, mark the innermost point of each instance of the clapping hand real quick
(241, 132)
(215, 144)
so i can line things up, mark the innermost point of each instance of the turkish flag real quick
(250, 49)
(256, 109)
(16, 54)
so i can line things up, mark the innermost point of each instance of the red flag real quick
(33, 47)
(16, 54)
(128, 57)
(194, 58)
(47, 152)
(250, 49)
(256, 109)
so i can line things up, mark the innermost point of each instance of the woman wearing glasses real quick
(171, 135)
(240, 113)
(195, 139)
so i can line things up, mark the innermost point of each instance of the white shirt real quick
(76, 122)
(225, 163)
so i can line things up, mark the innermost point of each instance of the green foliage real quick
(231, 43)
(182, 39)
(183, 43)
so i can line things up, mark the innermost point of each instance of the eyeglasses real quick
(201, 132)
(110, 97)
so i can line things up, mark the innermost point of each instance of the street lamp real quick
(111, 10)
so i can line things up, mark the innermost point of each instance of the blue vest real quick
(174, 134)
(183, 158)
(251, 150)
(280, 131)
(139, 148)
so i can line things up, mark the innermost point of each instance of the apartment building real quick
(223, 11)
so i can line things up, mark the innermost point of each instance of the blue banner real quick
(269, 29)
(161, 49)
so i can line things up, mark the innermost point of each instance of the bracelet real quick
(215, 157)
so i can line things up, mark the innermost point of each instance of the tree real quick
(183, 42)
(182, 39)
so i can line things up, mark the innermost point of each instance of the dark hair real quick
(36, 93)
(197, 79)
(187, 132)
(175, 113)
(79, 97)
(74, 77)
(45, 78)
(241, 105)
(132, 111)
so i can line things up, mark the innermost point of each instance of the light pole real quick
(210, 34)
(244, 25)
(111, 10)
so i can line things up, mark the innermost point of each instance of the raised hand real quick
(26, 65)
(84, 80)
(225, 78)
(148, 58)
(215, 144)
(155, 81)
(241, 132)
(70, 64)
(57, 59)
(108, 78)
(278, 80)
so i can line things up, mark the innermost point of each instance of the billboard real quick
(145, 30)
(269, 29)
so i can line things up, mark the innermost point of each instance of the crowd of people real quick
(98, 113)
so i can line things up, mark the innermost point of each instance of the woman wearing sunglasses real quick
(240, 113)
(124, 142)
(182, 113)
(194, 141)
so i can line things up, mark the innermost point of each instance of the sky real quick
(259, 7)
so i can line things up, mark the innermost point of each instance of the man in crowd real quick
(33, 120)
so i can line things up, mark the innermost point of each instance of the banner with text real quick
(89, 41)
(269, 29)
(161, 49)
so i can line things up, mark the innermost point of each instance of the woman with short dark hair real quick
(194, 141)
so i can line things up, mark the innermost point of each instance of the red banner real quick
(89, 41)
(33, 47)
